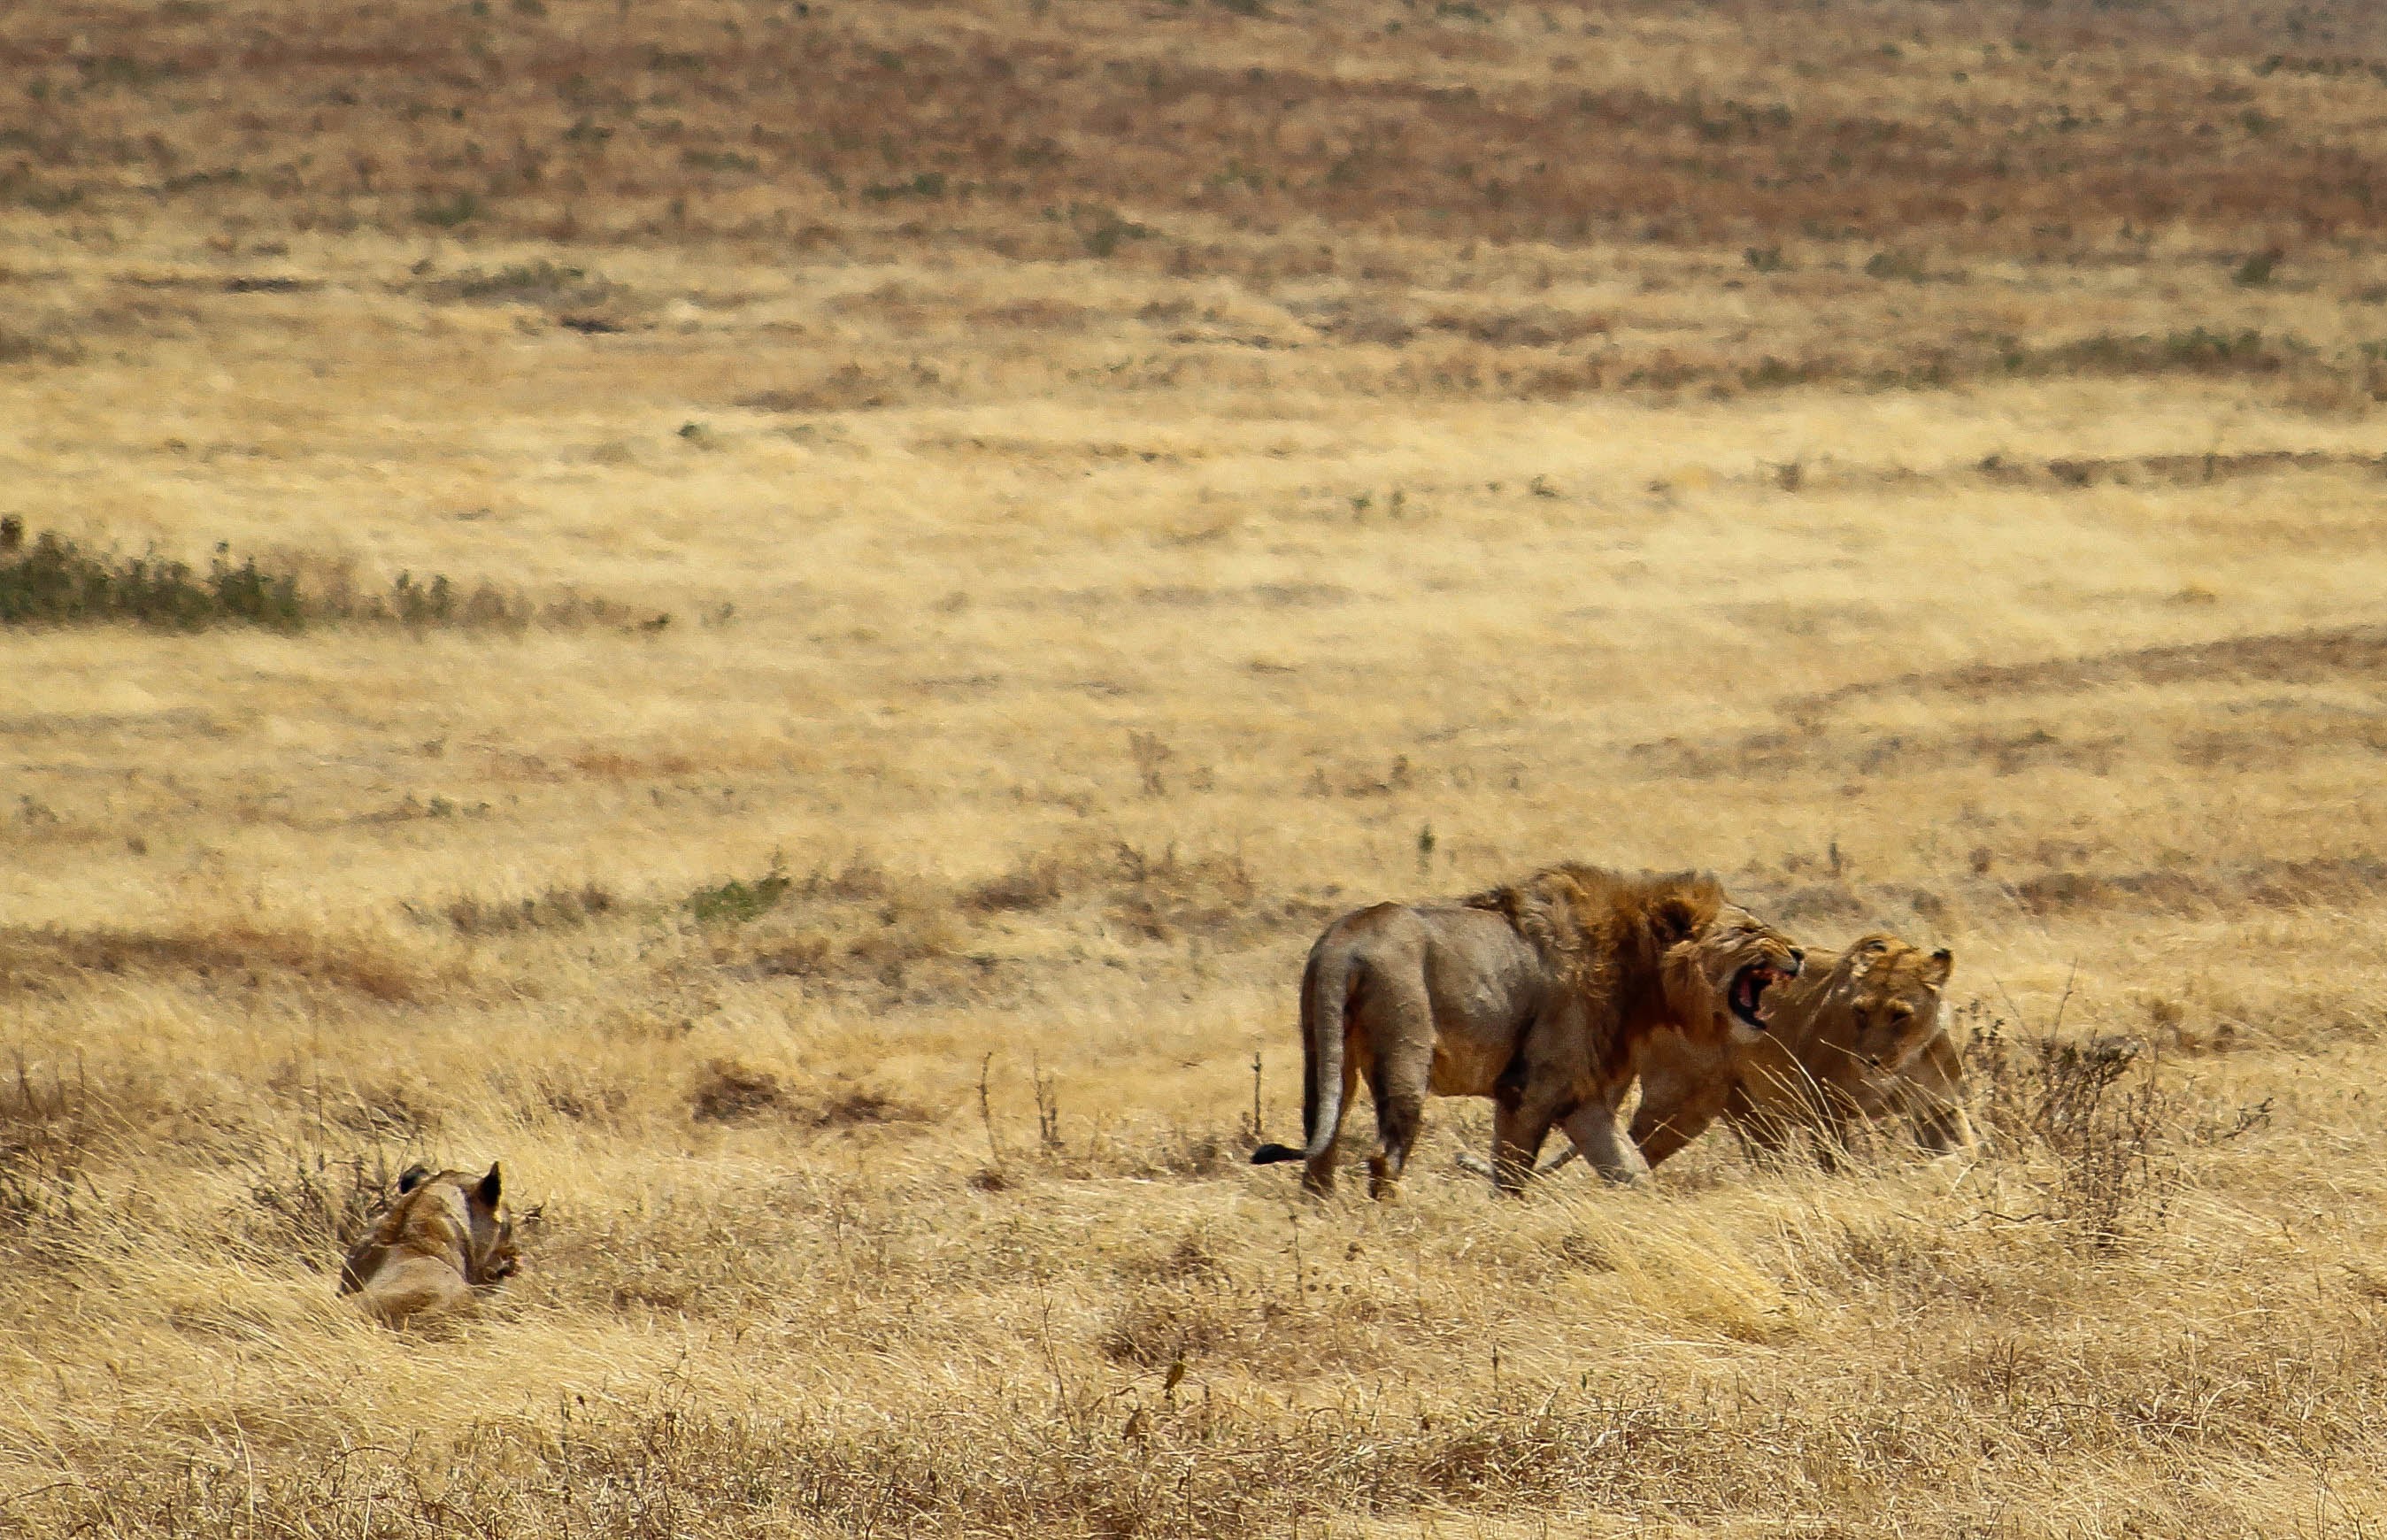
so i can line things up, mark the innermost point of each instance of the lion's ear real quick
(412, 1178)
(1673, 920)
(492, 1187)
(1940, 964)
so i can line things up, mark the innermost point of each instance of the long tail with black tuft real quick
(1325, 993)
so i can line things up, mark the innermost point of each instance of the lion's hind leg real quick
(1400, 1079)
(1318, 1177)
(1523, 1114)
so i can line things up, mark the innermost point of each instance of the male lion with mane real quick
(1537, 995)
(447, 1234)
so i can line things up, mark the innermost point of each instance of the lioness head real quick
(1717, 973)
(455, 1216)
(1895, 1002)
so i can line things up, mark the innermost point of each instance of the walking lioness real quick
(448, 1233)
(1536, 994)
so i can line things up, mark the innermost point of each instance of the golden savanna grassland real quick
(789, 615)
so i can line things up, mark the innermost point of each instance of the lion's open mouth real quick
(1748, 993)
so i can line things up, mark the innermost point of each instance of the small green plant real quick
(2255, 271)
(718, 160)
(736, 901)
(1895, 264)
(557, 908)
(449, 212)
(520, 281)
(120, 69)
(1772, 373)
(1764, 258)
(1102, 230)
(55, 581)
(924, 184)
(51, 579)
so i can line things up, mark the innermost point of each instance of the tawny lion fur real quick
(447, 1234)
(1857, 1037)
(1536, 994)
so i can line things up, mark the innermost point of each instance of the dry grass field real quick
(793, 612)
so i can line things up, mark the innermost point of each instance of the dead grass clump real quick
(921, 940)
(1154, 1326)
(541, 282)
(856, 928)
(1035, 883)
(2098, 1108)
(393, 1110)
(2195, 351)
(1907, 1262)
(1187, 1156)
(18, 346)
(1035, 315)
(313, 1208)
(852, 386)
(237, 954)
(582, 1098)
(911, 953)
(1190, 1260)
(909, 939)
(1536, 326)
(1104, 1153)
(860, 1107)
(1164, 897)
(727, 1092)
(555, 908)
(46, 1133)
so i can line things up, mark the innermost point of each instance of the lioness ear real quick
(492, 1186)
(412, 1178)
(1936, 971)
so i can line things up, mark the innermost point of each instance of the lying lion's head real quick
(1718, 973)
(1895, 1000)
(455, 1215)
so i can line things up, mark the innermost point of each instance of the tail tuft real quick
(1268, 1155)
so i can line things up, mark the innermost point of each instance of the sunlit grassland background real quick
(788, 617)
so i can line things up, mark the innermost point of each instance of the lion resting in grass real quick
(447, 1234)
(1858, 1036)
(1537, 995)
